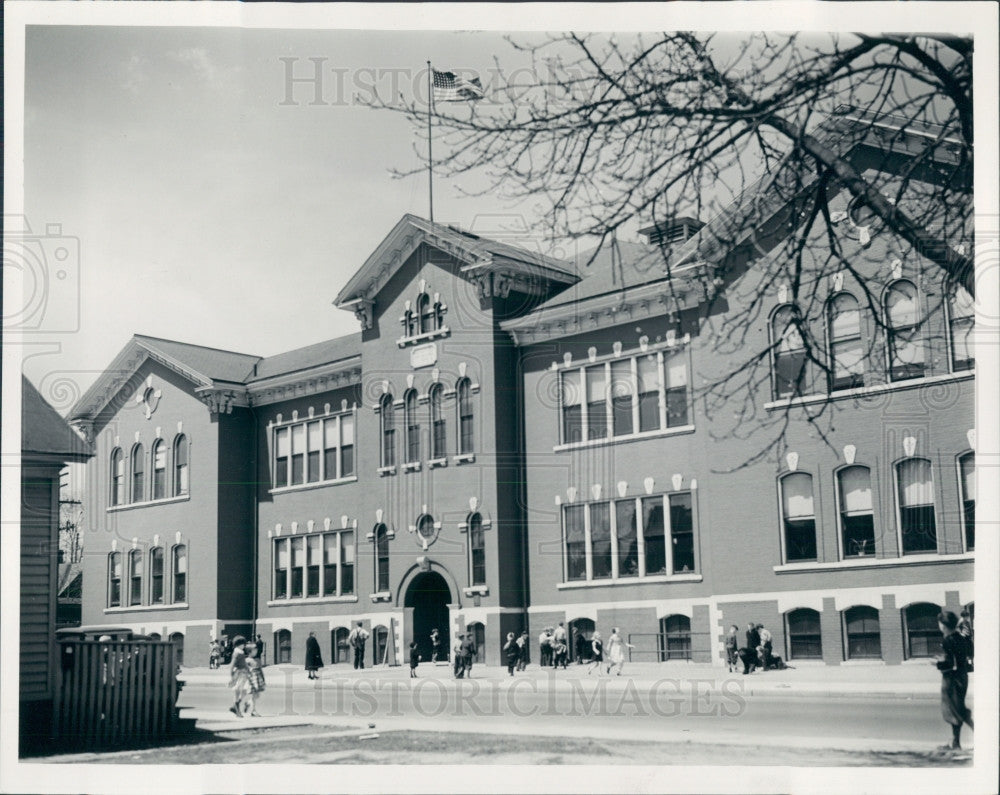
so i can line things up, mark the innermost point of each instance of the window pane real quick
(859, 535)
(676, 366)
(915, 484)
(677, 407)
(576, 558)
(281, 442)
(797, 497)
(963, 354)
(347, 562)
(848, 364)
(313, 553)
(855, 490)
(901, 304)
(653, 535)
(572, 393)
(628, 542)
(572, 424)
(597, 384)
(597, 418)
(315, 442)
(682, 532)
(845, 319)
(600, 539)
(621, 378)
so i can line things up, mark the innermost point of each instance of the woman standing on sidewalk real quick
(616, 651)
(954, 668)
(597, 650)
(512, 652)
(733, 648)
(239, 678)
(314, 658)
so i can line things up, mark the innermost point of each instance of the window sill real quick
(317, 485)
(383, 471)
(476, 590)
(655, 578)
(411, 466)
(427, 336)
(312, 600)
(148, 503)
(865, 391)
(862, 663)
(437, 462)
(382, 596)
(867, 563)
(632, 437)
(147, 608)
(464, 458)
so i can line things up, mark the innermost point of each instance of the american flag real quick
(449, 87)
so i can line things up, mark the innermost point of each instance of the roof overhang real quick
(311, 381)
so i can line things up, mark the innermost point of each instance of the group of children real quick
(757, 652)
(246, 678)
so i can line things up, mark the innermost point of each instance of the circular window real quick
(426, 530)
(861, 213)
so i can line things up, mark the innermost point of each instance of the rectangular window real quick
(312, 564)
(628, 541)
(848, 364)
(159, 470)
(650, 383)
(115, 580)
(156, 577)
(576, 551)
(346, 447)
(857, 520)
(135, 576)
(572, 407)
(180, 574)
(347, 562)
(682, 533)
(281, 566)
(916, 506)
(677, 393)
(330, 558)
(330, 436)
(600, 539)
(477, 541)
(967, 467)
(282, 451)
(315, 441)
(621, 397)
(298, 567)
(799, 517)
(298, 453)
(597, 413)
(653, 535)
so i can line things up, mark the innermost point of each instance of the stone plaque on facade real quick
(423, 355)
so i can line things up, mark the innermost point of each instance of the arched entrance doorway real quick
(429, 596)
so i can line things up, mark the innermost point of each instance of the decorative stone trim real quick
(383, 471)
(869, 562)
(411, 466)
(437, 462)
(382, 596)
(147, 503)
(464, 458)
(632, 437)
(866, 391)
(427, 336)
(312, 600)
(318, 485)
(622, 581)
(476, 590)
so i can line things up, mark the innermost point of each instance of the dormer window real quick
(423, 318)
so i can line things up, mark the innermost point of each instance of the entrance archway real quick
(429, 596)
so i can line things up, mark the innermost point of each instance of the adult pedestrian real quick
(458, 660)
(239, 679)
(435, 645)
(414, 659)
(954, 667)
(597, 653)
(616, 651)
(753, 641)
(468, 653)
(523, 646)
(357, 640)
(765, 648)
(545, 647)
(582, 647)
(255, 681)
(314, 658)
(733, 648)
(512, 652)
(558, 636)
(259, 643)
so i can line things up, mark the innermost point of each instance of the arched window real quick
(804, 639)
(962, 321)
(178, 573)
(789, 352)
(857, 517)
(381, 637)
(412, 426)
(439, 443)
(381, 558)
(863, 639)
(180, 466)
(906, 347)
(283, 645)
(156, 576)
(154, 635)
(967, 481)
(177, 638)
(920, 626)
(410, 326)
(117, 477)
(138, 473)
(477, 548)
(388, 432)
(799, 517)
(341, 646)
(844, 332)
(135, 577)
(917, 525)
(675, 640)
(465, 416)
(115, 579)
(159, 469)
(425, 310)
(478, 632)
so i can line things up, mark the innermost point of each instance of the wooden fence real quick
(114, 692)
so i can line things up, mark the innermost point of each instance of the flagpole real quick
(430, 144)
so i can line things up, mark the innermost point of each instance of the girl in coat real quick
(255, 681)
(314, 659)
(954, 668)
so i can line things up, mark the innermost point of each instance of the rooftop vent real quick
(668, 233)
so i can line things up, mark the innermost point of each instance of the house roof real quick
(214, 364)
(308, 357)
(44, 433)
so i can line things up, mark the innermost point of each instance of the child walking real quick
(255, 681)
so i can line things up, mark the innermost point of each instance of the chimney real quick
(669, 233)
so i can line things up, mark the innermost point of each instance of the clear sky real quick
(206, 209)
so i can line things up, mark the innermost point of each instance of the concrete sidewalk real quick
(909, 680)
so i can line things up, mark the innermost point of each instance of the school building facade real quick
(513, 441)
